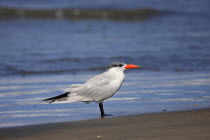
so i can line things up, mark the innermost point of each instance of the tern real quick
(96, 89)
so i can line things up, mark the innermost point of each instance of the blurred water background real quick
(41, 56)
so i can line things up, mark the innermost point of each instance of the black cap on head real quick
(115, 64)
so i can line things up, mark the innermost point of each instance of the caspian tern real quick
(96, 89)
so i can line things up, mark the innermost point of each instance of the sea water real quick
(40, 57)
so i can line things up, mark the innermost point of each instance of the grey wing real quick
(96, 88)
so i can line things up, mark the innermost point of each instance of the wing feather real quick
(97, 88)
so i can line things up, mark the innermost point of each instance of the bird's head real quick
(121, 66)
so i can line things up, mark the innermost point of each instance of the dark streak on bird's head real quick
(115, 64)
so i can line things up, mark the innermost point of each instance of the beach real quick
(182, 125)
(47, 46)
(142, 92)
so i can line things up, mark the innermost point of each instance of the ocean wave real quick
(98, 64)
(80, 13)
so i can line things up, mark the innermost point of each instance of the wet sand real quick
(182, 125)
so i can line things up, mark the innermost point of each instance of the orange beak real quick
(131, 66)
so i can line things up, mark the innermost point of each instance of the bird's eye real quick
(120, 65)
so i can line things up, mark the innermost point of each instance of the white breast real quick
(114, 84)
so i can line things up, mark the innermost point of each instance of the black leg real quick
(102, 110)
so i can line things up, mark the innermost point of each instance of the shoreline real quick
(191, 124)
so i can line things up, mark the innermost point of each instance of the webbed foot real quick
(104, 115)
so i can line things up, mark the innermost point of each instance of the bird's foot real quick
(104, 115)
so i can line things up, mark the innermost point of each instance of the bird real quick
(96, 89)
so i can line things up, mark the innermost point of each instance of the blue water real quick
(168, 43)
(142, 92)
(194, 6)
(40, 57)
